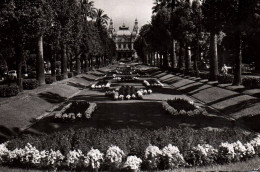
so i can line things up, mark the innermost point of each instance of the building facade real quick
(124, 39)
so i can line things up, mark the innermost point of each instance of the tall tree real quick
(214, 20)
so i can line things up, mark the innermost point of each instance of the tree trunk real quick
(165, 60)
(158, 59)
(82, 64)
(40, 62)
(174, 58)
(187, 58)
(161, 60)
(86, 63)
(214, 57)
(181, 61)
(64, 61)
(19, 60)
(91, 62)
(78, 65)
(196, 58)
(238, 60)
(53, 67)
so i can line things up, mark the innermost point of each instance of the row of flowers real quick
(100, 85)
(184, 112)
(168, 157)
(152, 83)
(61, 115)
(138, 95)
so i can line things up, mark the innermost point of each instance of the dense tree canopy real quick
(54, 30)
(214, 31)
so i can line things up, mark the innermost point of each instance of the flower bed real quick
(152, 83)
(114, 158)
(75, 110)
(127, 93)
(251, 82)
(125, 78)
(182, 107)
(101, 85)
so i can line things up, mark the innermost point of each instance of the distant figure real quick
(224, 69)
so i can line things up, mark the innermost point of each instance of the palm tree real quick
(101, 18)
(87, 9)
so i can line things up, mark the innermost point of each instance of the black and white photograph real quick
(129, 85)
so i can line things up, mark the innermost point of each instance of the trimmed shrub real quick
(131, 141)
(8, 91)
(48, 80)
(30, 84)
(204, 75)
(251, 82)
(225, 79)
(59, 77)
(70, 74)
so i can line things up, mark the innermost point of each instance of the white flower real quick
(73, 157)
(150, 91)
(255, 142)
(250, 151)
(79, 115)
(95, 157)
(93, 86)
(54, 157)
(227, 149)
(3, 151)
(58, 115)
(121, 97)
(239, 148)
(64, 116)
(133, 96)
(172, 155)
(152, 151)
(114, 154)
(146, 83)
(128, 97)
(133, 162)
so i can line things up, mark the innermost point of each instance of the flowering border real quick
(60, 115)
(196, 112)
(115, 158)
(158, 84)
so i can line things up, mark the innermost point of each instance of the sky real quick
(126, 11)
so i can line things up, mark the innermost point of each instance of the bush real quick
(251, 83)
(59, 77)
(204, 75)
(30, 84)
(8, 91)
(48, 80)
(70, 74)
(131, 141)
(225, 79)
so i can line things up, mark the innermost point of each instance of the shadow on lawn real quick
(88, 79)
(240, 106)
(7, 133)
(133, 115)
(253, 122)
(77, 85)
(52, 97)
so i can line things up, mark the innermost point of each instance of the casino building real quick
(124, 39)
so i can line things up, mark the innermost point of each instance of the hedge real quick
(225, 79)
(251, 82)
(30, 84)
(48, 80)
(8, 91)
(131, 141)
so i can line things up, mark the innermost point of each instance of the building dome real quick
(123, 33)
